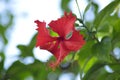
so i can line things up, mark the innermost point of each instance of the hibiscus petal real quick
(60, 54)
(75, 42)
(51, 46)
(44, 40)
(64, 25)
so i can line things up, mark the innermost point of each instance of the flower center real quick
(60, 38)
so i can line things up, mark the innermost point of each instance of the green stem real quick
(82, 22)
(78, 9)
(72, 59)
(89, 32)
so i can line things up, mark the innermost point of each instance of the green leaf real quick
(116, 32)
(39, 70)
(65, 5)
(88, 64)
(87, 8)
(115, 67)
(32, 42)
(2, 34)
(1, 68)
(115, 75)
(25, 51)
(116, 26)
(15, 70)
(10, 22)
(95, 8)
(93, 72)
(105, 28)
(75, 67)
(105, 12)
(2, 59)
(99, 72)
(102, 49)
(1, 65)
(70, 67)
(20, 71)
(113, 28)
(85, 57)
(86, 51)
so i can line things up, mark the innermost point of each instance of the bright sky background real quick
(26, 12)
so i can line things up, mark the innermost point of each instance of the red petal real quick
(63, 25)
(60, 54)
(44, 40)
(75, 42)
(51, 46)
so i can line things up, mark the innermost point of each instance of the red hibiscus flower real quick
(60, 46)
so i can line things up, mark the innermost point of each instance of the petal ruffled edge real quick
(44, 40)
(63, 25)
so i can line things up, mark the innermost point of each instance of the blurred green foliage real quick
(101, 40)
